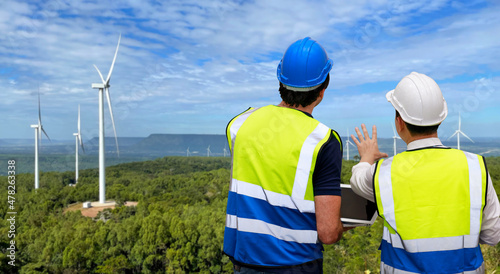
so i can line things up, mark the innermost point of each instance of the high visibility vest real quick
(271, 217)
(432, 202)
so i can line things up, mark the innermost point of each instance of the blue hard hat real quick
(305, 64)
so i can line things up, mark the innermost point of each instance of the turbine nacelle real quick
(99, 86)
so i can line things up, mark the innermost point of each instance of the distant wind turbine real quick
(188, 153)
(395, 137)
(104, 87)
(347, 144)
(458, 132)
(38, 136)
(78, 140)
(208, 151)
(225, 152)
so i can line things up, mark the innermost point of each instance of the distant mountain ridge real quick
(110, 141)
(178, 144)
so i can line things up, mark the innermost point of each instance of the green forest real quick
(176, 227)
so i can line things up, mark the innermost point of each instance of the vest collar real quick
(427, 142)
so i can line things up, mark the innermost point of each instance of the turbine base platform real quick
(99, 204)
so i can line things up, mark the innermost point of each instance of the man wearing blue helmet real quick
(284, 198)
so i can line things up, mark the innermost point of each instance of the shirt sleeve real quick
(362, 180)
(326, 176)
(490, 227)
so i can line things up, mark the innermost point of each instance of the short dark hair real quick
(296, 98)
(419, 130)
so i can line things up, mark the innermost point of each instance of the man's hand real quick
(368, 148)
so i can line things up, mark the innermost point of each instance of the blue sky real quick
(190, 66)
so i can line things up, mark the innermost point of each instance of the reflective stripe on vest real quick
(387, 269)
(270, 217)
(428, 228)
(235, 124)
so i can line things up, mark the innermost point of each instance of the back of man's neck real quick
(308, 109)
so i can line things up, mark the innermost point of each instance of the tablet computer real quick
(356, 210)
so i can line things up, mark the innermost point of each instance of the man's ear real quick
(400, 124)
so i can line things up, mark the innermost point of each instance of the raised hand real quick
(368, 147)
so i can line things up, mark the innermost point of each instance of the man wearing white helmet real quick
(438, 203)
(284, 197)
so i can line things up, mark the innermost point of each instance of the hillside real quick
(176, 227)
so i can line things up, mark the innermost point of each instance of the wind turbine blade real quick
(40, 131)
(39, 111)
(81, 142)
(114, 59)
(459, 121)
(452, 135)
(45, 133)
(79, 132)
(466, 136)
(78, 121)
(112, 119)
(40, 128)
(39, 134)
(98, 71)
(39, 118)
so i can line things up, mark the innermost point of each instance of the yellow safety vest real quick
(432, 202)
(270, 217)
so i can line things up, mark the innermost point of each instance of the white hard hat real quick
(419, 100)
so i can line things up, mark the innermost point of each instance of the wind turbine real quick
(458, 132)
(225, 152)
(395, 137)
(38, 136)
(78, 139)
(104, 87)
(188, 153)
(208, 151)
(348, 143)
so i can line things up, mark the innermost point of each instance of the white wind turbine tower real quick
(208, 151)
(78, 139)
(225, 152)
(347, 144)
(458, 132)
(188, 153)
(38, 136)
(104, 87)
(395, 137)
